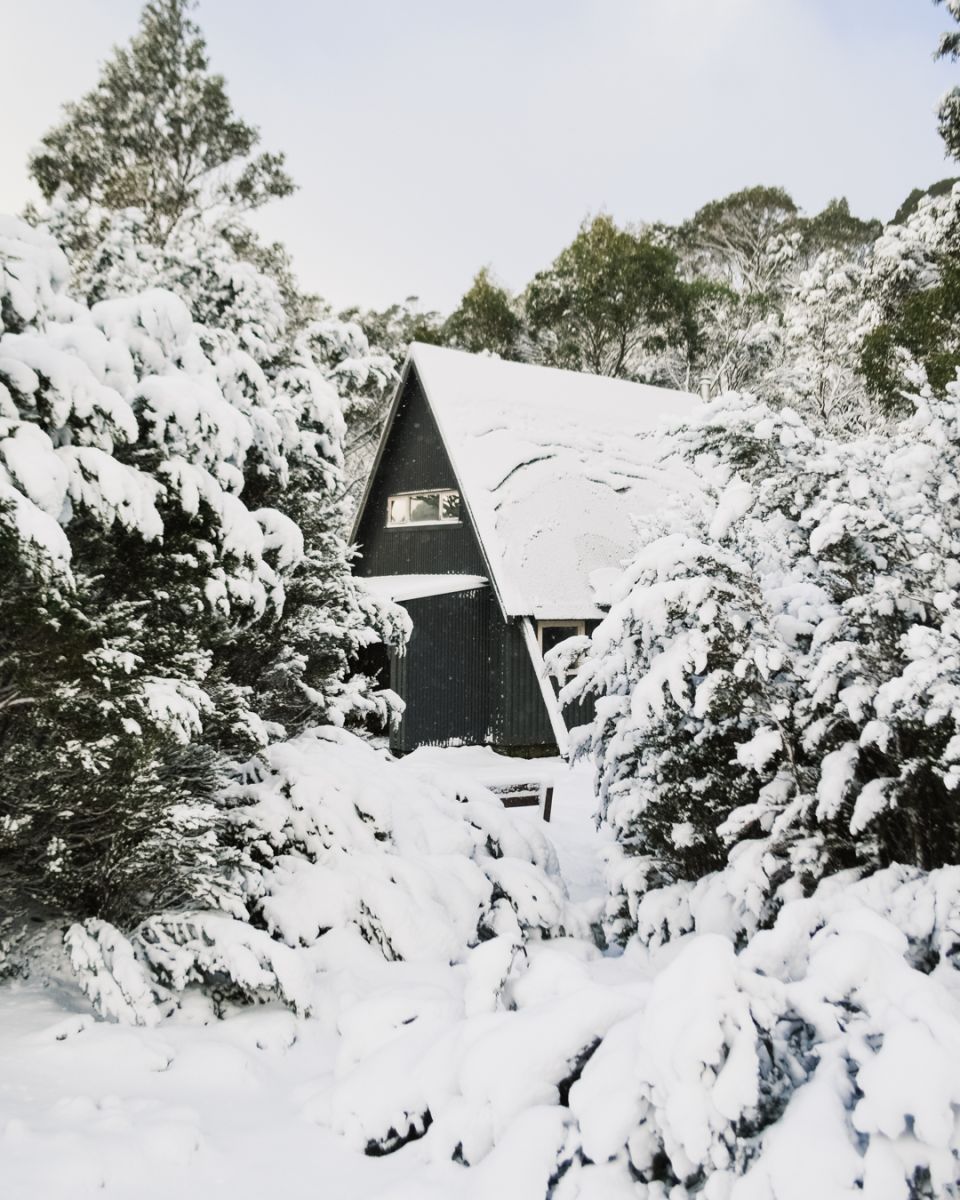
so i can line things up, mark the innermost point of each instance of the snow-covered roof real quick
(412, 587)
(553, 466)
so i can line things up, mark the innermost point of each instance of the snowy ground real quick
(241, 1107)
(821, 1061)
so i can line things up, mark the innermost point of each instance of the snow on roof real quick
(412, 587)
(553, 466)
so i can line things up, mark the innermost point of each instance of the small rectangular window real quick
(440, 507)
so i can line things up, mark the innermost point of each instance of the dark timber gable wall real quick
(414, 459)
(445, 677)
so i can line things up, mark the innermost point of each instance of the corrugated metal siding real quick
(467, 676)
(445, 675)
(414, 458)
(521, 715)
(581, 713)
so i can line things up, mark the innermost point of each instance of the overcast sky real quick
(431, 137)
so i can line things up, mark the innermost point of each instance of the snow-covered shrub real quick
(336, 836)
(347, 837)
(176, 585)
(693, 712)
(820, 1061)
(778, 676)
(464, 1078)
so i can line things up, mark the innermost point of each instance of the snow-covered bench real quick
(525, 795)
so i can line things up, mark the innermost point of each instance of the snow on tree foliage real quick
(158, 133)
(778, 680)
(128, 553)
(146, 587)
(823, 326)
(910, 322)
(289, 385)
(818, 1061)
(166, 614)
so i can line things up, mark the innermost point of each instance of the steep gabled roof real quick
(552, 467)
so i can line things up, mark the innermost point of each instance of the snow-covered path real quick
(571, 828)
(88, 1109)
(572, 831)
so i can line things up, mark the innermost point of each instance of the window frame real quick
(439, 493)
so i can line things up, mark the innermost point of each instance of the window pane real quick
(398, 508)
(553, 635)
(450, 506)
(425, 507)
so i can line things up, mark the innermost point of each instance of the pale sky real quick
(432, 137)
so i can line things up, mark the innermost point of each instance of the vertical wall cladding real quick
(580, 713)
(521, 716)
(414, 458)
(445, 675)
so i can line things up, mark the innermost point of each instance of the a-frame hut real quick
(501, 496)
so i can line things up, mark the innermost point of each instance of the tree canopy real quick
(486, 319)
(158, 132)
(611, 294)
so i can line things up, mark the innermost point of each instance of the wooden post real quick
(547, 803)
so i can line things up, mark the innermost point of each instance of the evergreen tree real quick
(746, 240)
(914, 284)
(158, 133)
(392, 329)
(837, 229)
(128, 557)
(748, 259)
(949, 111)
(192, 430)
(389, 334)
(912, 327)
(822, 337)
(282, 360)
(910, 205)
(729, 342)
(779, 679)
